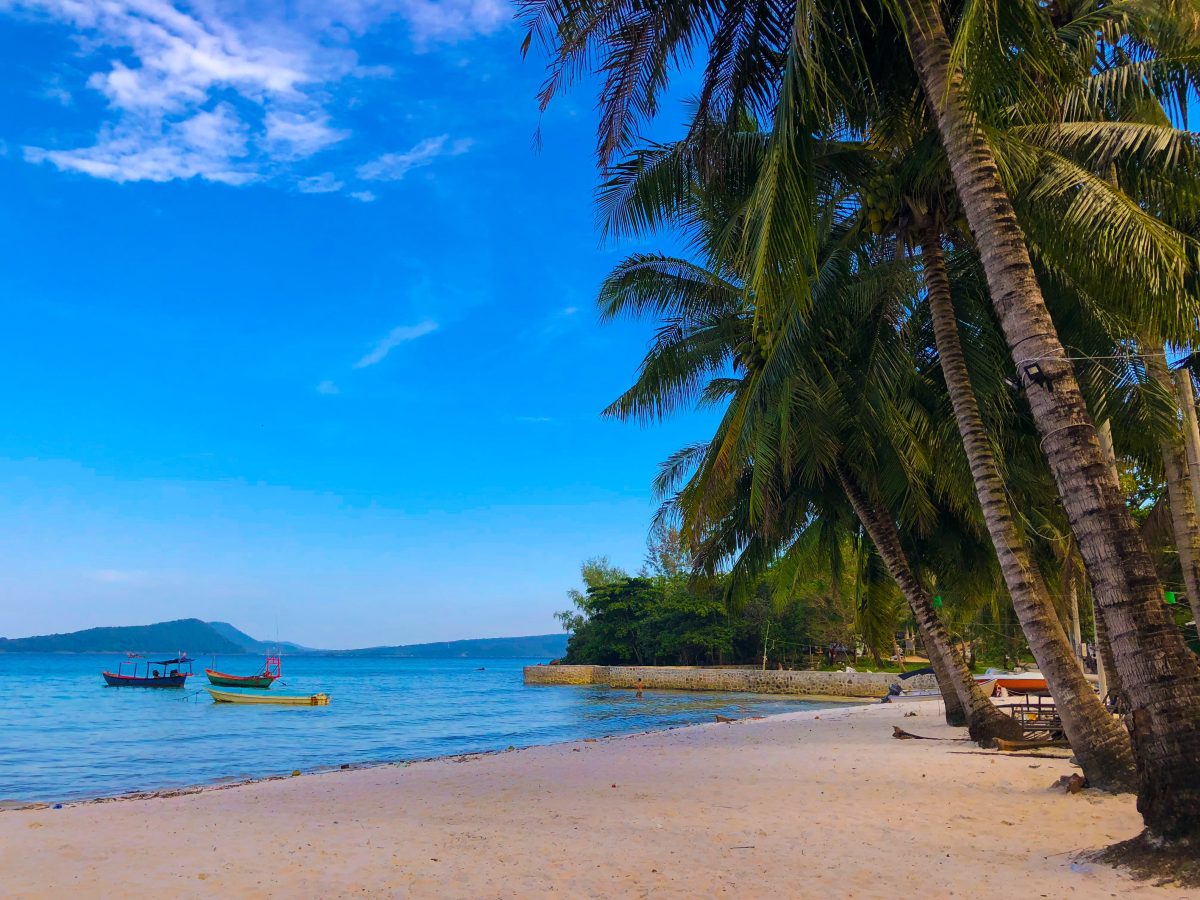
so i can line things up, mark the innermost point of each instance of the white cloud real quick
(431, 19)
(328, 388)
(363, 196)
(394, 166)
(428, 20)
(208, 145)
(55, 91)
(397, 336)
(292, 135)
(163, 68)
(325, 183)
(119, 576)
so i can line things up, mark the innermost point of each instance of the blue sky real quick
(299, 328)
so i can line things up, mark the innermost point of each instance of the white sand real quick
(821, 804)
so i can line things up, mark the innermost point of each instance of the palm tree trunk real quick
(1184, 523)
(1191, 430)
(955, 714)
(1111, 682)
(1072, 596)
(1100, 743)
(1159, 674)
(985, 722)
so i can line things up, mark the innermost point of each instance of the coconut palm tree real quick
(647, 188)
(818, 65)
(709, 325)
(1126, 586)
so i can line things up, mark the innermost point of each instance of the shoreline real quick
(16, 805)
(823, 801)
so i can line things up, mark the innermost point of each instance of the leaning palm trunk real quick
(985, 722)
(1179, 493)
(1100, 743)
(1159, 674)
(956, 715)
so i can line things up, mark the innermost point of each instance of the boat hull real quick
(220, 679)
(163, 681)
(273, 699)
(1014, 684)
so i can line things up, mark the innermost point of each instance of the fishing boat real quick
(272, 670)
(277, 699)
(141, 674)
(1013, 682)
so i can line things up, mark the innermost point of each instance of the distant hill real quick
(251, 645)
(199, 638)
(548, 646)
(189, 635)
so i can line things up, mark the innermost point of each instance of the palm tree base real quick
(1150, 859)
(985, 728)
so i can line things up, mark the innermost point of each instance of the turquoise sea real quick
(64, 735)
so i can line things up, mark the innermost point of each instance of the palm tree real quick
(647, 187)
(710, 325)
(920, 207)
(814, 66)
(1165, 696)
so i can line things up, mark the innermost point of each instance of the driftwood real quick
(1012, 746)
(1029, 755)
(901, 735)
(721, 718)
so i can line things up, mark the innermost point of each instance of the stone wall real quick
(566, 674)
(689, 678)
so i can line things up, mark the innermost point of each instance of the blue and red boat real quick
(163, 673)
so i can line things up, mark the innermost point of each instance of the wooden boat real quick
(278, 699)
(141, 675)
(1013, 682)
(271, 671)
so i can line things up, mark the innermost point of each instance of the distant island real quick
(200, 638)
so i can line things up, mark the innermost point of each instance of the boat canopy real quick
(170, 662)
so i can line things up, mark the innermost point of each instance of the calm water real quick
(64, 735)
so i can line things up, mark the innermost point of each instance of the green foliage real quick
(665, 616)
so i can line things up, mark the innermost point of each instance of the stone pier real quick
(758, 681)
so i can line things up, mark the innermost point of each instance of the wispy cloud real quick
(225, 91)
(328, 388)
(397, 336)
(119, 576)
(209, 145)
(394, 166)
(325, 183)
(453, 19)
(535, 420)
(293, 135)
(363, 196)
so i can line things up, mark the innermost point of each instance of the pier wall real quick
(692, 678)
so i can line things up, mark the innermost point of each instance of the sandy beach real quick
(813, 804)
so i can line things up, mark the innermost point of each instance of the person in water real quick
(640, 687)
